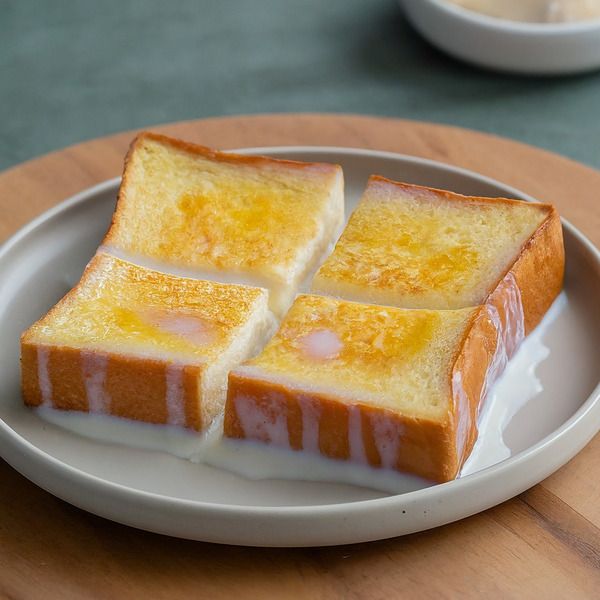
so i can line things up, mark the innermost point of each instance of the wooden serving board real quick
(543, 544)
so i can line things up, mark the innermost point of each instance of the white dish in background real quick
(162, 493)
(527, 48)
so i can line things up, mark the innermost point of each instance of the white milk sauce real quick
(190, 328)
(535, 11)
(321, 345)
(94, 367)
(517, 386)
(175, 405)
(43, 376)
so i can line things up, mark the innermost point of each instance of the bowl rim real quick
(506, 25)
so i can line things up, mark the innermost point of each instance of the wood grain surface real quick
(543, 544)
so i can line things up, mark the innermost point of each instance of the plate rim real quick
(12, 440)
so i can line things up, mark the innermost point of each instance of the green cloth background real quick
(73, 70)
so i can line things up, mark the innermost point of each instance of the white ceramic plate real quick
(168, 495)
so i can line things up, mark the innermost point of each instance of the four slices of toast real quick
(387, 361)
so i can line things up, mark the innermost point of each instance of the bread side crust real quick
(454, 196)
(358, 432)
(228, 157)
(471, 373)
(539, 270)
(135, 388)
(512, 310)
(30, 385)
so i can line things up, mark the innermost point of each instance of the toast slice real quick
(385, 386)
(142, 345)
(416, 247)
(236, 219)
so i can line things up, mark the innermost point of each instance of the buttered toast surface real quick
(412, 316)
(416, 247)
(254, 220)
(140, 344)
(359, 382)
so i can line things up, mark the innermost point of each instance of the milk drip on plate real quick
(516, 387)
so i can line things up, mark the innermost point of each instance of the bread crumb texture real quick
(388, 357)
(124, 308)
(418, 248)
(208, 212)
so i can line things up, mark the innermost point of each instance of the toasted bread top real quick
(193, 207)
(120, 307)
(390, 357)
(417, 247)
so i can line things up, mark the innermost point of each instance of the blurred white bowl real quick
(531, 48)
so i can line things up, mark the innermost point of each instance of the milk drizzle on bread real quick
(94, 365)
(311, 412)
(462, 411)
(504, 310)
(356, 443)
(45, 385)
(267, 425)
(388, 437)
(510, 326)
(175, 403)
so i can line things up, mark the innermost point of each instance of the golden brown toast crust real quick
(454, 196)
(539, 270)
(229, 157)
(136, 386)
(423, 442)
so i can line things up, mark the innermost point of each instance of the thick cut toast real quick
(390, 387)
(143, 345)
(416, 247)
(424, 299)
(232, 218)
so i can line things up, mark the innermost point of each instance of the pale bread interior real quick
(249, 341)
